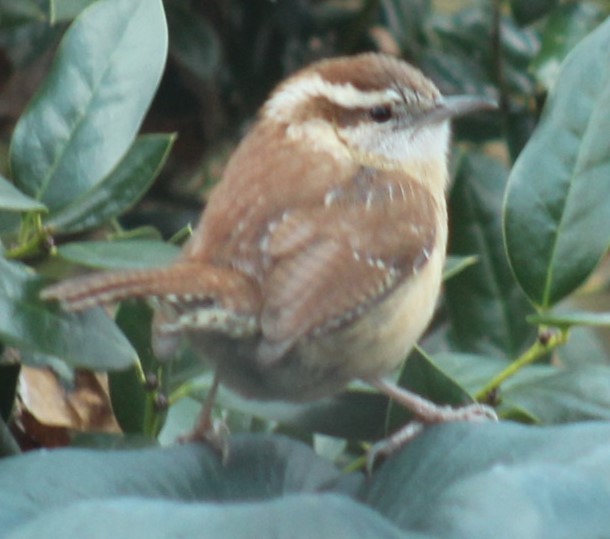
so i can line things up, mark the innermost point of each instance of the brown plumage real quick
(319, 256)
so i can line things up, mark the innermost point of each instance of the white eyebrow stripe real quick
(292, 94)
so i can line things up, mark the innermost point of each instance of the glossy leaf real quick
(485, 305)
(120, 190)
(88, 339)
(556, 218)
(119, 254)
(564, 28)
(88, 111)
(12, 199)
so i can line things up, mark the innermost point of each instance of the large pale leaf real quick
(88, 111)
(556, 219)
(453, 481)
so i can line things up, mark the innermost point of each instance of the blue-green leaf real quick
(88, 111)
(556, 218)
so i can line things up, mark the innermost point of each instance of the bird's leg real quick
(207, 430)
(425, 412)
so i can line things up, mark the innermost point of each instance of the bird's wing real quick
(333, 261)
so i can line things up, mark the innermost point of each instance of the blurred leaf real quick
(132, 402)
(65, 10)
(120, 190)
(86, 114)
(423, 376)
(565, 395)
(455, 265)
(467, 36)
(556, 218)
(447, 482)
(456, 74)
(16, 12)
(564, 28)
(520, 123)
(119, 254)
(527, 11)
(405, 20)
(87, 339)
(486, 308)
(194, 42)
(12, 199)
(300, 517)
(470, 371)
(585, 346)
(9, 375)
(355, 414)
(443, 485)
(547, 393)
(568, 319)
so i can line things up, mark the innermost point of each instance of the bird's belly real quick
(316, 367)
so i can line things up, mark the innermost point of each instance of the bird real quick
(318, 258)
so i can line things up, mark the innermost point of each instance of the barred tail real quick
(185, 281)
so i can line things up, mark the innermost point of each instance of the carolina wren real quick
(319, 256)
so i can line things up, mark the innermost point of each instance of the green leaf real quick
(88, 339)
(65, 10)
(546, 393)
(132, 402)
(486, 308)
(563, 29)
(356, 414)
(126, 254)
(569, 319)
(470, 371)
(9, 376)
(16, 12)
(565, 395)
(194, 42)
(120, 190)
(88, 111)
(12, 199)
(556, 218)
(423, 376)
(527, 11)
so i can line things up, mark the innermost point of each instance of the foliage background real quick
(527, 283)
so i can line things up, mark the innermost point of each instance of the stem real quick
(539, 349)
(31, 237)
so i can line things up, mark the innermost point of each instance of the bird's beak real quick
(448, 107)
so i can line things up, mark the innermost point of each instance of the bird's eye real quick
(381, 113)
